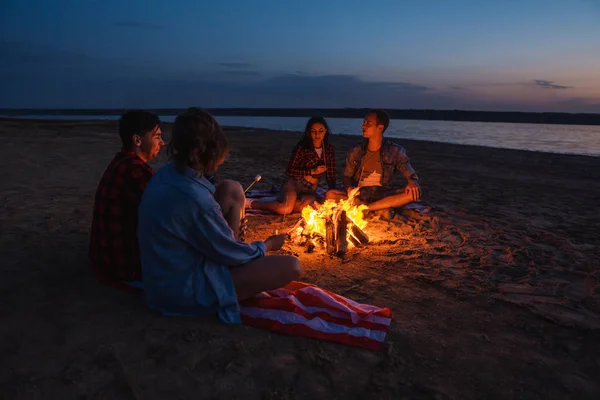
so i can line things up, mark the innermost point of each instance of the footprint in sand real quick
(452, 238)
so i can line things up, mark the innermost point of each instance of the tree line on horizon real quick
(409, 114)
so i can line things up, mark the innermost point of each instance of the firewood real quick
(341, 237)
(298, 239)
(359, 234)
(330, 236)
(354, 241)
(297, 225)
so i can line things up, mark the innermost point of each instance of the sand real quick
(495, 295)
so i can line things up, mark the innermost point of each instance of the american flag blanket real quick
(302, 309)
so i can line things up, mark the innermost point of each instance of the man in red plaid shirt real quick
(113, 252)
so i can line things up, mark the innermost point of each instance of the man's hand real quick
(351, 191)
(413, 190)
(353, 197)
(275, 242)
(318, 170)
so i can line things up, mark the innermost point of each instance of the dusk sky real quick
(504, 55)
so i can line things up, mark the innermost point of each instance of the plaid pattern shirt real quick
(114, 252)
(303, 160)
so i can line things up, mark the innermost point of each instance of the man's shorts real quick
(370, 194)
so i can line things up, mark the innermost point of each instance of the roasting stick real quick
(256, 179)
(276, 232)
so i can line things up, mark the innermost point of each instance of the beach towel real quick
(418, 206)
(259, 194)
(274, 190)
(302, 309)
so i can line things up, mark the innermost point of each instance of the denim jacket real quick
(187, 248)
(393, 158)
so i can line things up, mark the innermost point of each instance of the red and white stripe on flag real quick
(302, 309)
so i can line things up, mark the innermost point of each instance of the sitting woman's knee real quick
(287, 208)
(232, 186)
(230, 189)
(288, 203)
(294, 268)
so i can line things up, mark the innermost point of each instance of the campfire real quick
(339, 223)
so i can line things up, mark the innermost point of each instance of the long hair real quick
(306, 140)
(197, 141)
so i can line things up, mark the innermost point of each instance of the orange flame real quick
(315, 218)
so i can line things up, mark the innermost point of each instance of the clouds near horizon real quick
(534, 55)
(35, 76)
(549, 84)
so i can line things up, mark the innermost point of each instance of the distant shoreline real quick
(435, 115)
(450, 147)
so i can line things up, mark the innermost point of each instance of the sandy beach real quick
(495, 294)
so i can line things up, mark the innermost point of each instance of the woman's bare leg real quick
(230, 196)
(282, 206)
(265, 273)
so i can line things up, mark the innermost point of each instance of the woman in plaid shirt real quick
(312, 158)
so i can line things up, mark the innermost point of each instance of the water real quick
(568, 139)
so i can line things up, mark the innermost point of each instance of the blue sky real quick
(524, 55)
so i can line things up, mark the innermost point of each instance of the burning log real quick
(354, 241)
(341, 237)
(358, 234)
(296, 233)
(298, 227)
(333, 225)
(340, 231)
(330, 236)
(336, 237)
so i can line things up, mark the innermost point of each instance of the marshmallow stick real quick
(256, 179)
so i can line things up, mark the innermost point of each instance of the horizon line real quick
(456, 110)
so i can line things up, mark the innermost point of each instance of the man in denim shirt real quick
(370, 168)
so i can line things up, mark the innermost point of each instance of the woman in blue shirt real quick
(193, 262)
